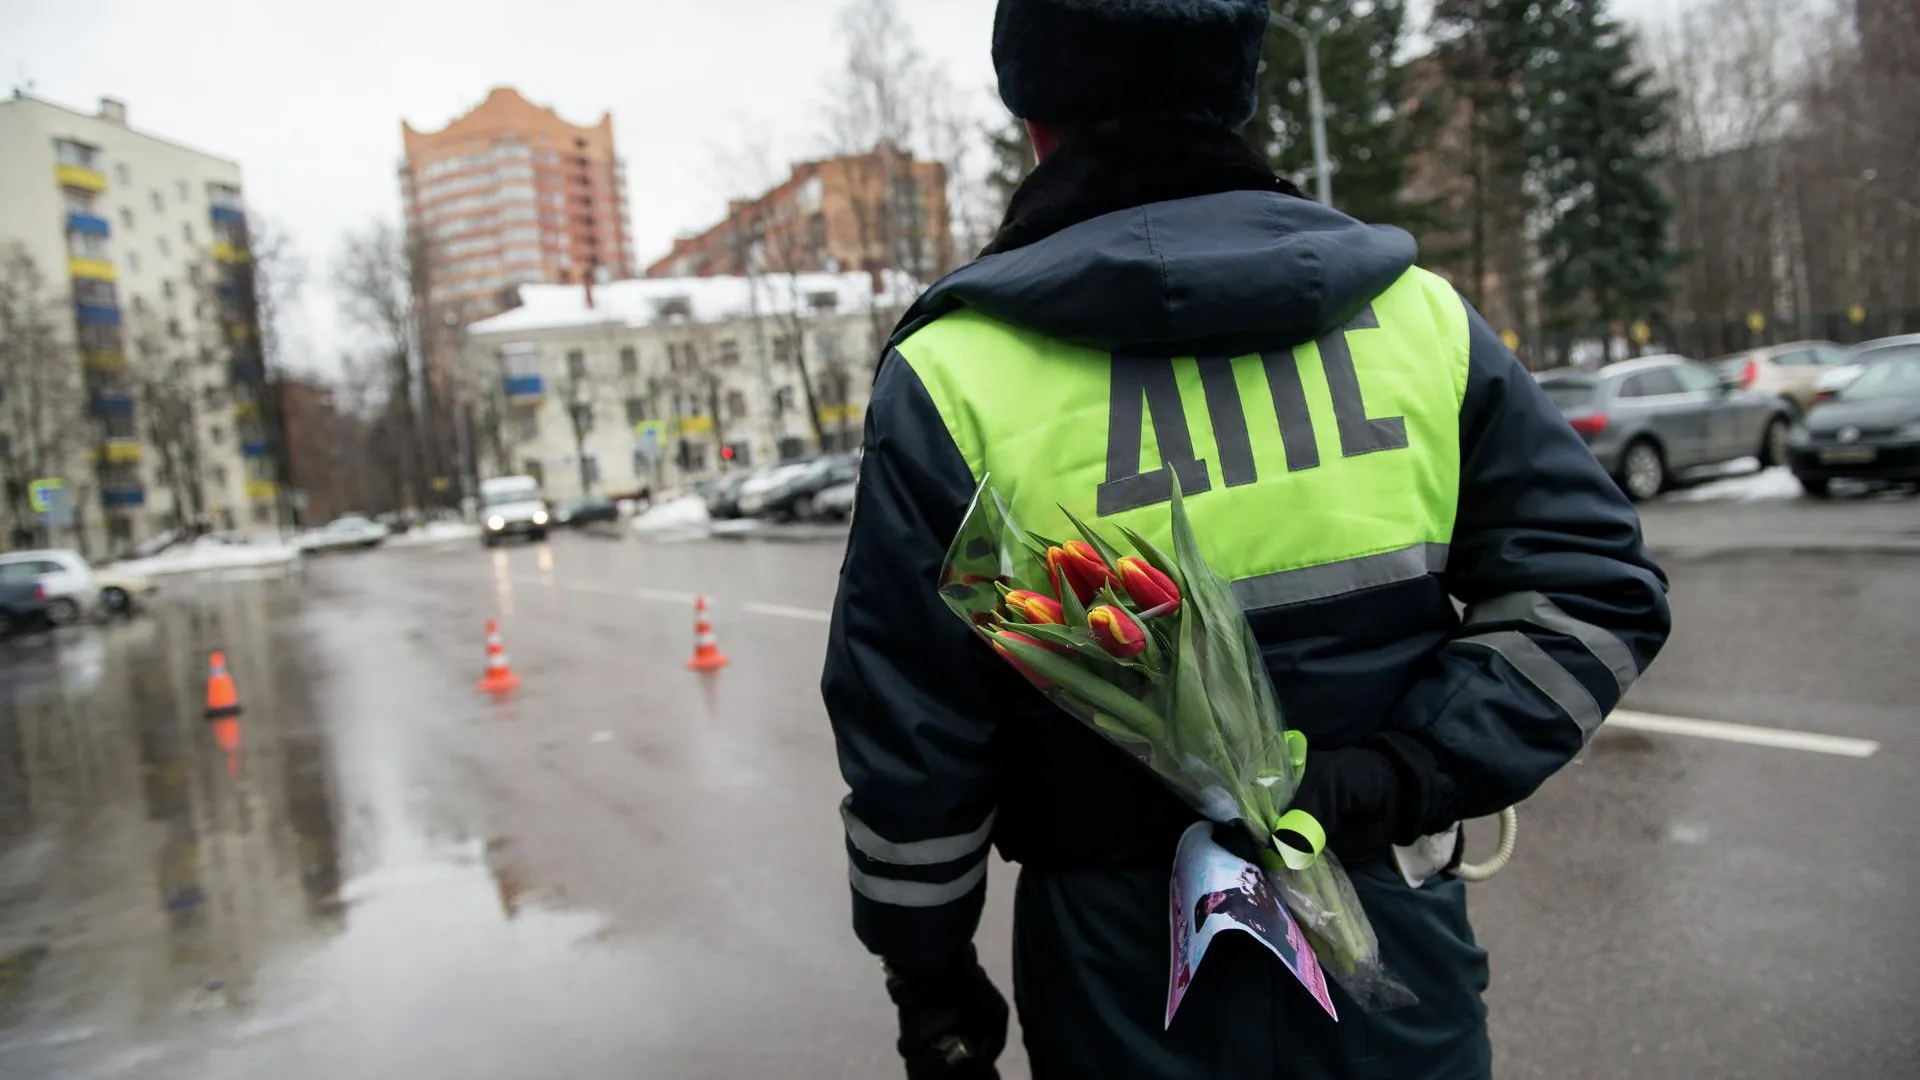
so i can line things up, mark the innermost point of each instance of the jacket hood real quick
(1221, 274)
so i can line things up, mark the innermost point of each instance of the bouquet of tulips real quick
(1151, 650)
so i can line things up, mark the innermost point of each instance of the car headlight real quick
(1798, 435)
(539, 517)
(496, 523)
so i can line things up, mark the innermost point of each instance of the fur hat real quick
(1078, 62)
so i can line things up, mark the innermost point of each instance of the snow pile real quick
(436, 532)
(646, 301)
(1775, 483)
(210, 555)
(684, 518)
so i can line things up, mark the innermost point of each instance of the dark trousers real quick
(1091, 950)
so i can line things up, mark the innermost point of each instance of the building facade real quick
(147, 398)
(880, 210)
(510, 194)
(653, 384)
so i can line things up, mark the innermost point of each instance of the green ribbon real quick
(1303, 825)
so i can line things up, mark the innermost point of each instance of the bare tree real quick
(43, 424)
(163, 382)
(375, 276)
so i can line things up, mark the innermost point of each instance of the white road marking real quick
(668, 596)
(785, 612)
(1778, 738)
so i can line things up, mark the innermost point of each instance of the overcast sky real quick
(308, 97)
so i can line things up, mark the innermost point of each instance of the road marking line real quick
(583, 586)
(785, 612)
(1778, 738)
(667, 596)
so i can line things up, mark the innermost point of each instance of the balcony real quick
(80, 178)
(227, 215)
(97, 314)
(109, 361)
(246, 410)
(262, 489)
(89, 224)
(247, 371)
(229, 253)
(694, 425)
(111, 405)
(118, 452)
(89, 269)
(255, 449)
(123, 498)
(524, 387)
(834, 414)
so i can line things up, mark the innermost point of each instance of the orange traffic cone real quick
(706, 651)
(499, 677)
(222, 698)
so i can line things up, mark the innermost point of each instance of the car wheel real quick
(116, 600)
(1816, 486)
(1643, 473)
(1773, 443)
(63, 612)
(803, 508)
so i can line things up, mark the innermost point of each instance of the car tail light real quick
(39, 592)
(1589, 425)
(1749, 374)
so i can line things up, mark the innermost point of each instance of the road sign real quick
(56, 511)
(648, 432)
(37, 492)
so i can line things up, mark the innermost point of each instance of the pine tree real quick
(1371, 131)
(1010, 159)
(1591, 115)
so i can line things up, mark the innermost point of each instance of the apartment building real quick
(656, 383)
(510, 194)
(881, 210)
(147, 400)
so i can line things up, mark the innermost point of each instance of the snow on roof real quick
(647, 301)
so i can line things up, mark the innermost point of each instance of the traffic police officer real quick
(1357, 450)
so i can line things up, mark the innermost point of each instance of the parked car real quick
(342, 533)
(723, 495)
(512, 506)
(23, 606)
(1787, 371)
(1652, 419)
(751, 501)
(122, 592)
(1835, 379)
(797, 495)
(837, 501)
(1869, 431)
(64, 575)
(577, 512)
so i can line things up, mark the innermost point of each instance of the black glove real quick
(953, 1022)
(1385, 790)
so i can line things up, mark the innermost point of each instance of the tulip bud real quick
(1077, 565)
(1146, 585)
(1117, 631)
(1007, 655)
(1036, 608)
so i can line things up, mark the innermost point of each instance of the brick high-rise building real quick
(510, 194)
(881, 210)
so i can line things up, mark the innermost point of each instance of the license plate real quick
(1849, 455)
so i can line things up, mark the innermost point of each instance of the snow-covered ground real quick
(436, 532)
(212, 555)
(684, 518)
(1752, 486)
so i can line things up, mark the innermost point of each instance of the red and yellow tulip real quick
(1075, 564)
(1146, 585)
(1036, 607)
(1117, 631)
(1007, 654)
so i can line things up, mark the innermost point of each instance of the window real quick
(133, 261)
(576, 365)
(87, 245)
(784, 350)
(193, 274)
(121, 175)
(165, 248)
(736, 404)
(166, 288)
(636, 410)
(1695, 379)
(691, 456)
(582, 417)
(1653, 383)
(729, 354)
(215, 435)
(139, 305)
(186, 231)
(79, 202)
(126, 218)
(77, 153)
(526, 425)
(792, 448)
(262, 513)
(219, 474)
(173, 329)
(159, 203)
(782, 401)
(629, 360)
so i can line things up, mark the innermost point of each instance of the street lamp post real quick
(1316, 105)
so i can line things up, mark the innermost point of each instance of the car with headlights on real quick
(511, 506)
(1869, 431)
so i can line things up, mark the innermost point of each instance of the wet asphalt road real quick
(627, 870)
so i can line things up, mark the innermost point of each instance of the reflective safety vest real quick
(1309, 472)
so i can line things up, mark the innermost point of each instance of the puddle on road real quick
(181, 897)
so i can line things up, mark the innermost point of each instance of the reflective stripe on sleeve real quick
(1545, 673)
(916, 852)
(1536, 610)
(916, 894)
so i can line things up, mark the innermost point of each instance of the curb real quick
(1894, 548)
